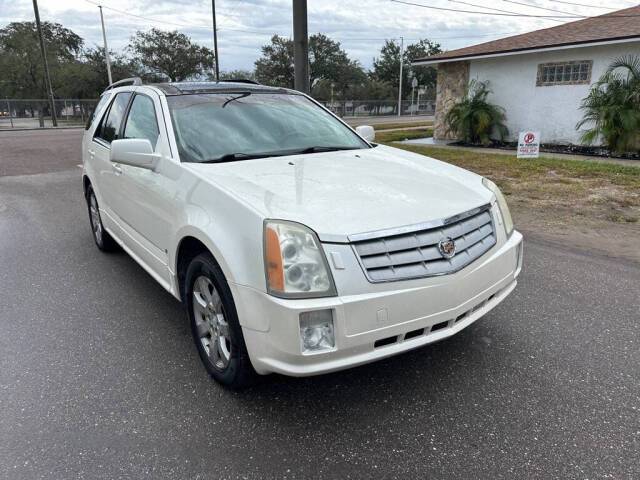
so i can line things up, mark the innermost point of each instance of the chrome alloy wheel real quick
(212, 327)
(96, 224)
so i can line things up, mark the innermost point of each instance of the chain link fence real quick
(36, 113)
(372, 108)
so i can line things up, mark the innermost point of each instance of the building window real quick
(564, 73)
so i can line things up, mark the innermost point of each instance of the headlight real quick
(502, 203)
(295, 265)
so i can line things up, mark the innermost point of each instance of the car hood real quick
(350, 191)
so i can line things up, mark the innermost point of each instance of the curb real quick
(26, 129)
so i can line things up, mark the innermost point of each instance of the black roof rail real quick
(241, 80)
(133, 81)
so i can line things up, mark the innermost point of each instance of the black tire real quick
(236, 371)
(104, 241)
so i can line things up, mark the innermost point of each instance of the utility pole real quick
(46, 65)
(300, 46)
(215, 39)
(106, 48)
(400, 86)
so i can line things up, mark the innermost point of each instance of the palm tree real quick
(613, 107)
(474, 120)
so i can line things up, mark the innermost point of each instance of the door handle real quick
(92, 153)
(117, 169)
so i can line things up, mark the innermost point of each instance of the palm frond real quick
(474, 119)
(612, 107)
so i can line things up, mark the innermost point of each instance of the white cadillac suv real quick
(296, 244)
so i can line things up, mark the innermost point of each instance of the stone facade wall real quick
(453, 78)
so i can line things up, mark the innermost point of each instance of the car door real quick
(146, 208)
(110, 128)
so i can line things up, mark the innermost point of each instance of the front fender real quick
(230, 231)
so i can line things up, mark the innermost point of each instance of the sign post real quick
(529, 144)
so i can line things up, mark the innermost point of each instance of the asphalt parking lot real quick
(99, 377)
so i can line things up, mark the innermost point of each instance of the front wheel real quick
(214, 324)
(104, 241)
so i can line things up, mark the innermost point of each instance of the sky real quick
(361, 26)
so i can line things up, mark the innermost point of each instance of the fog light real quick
(316, 331)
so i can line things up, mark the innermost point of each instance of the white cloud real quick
(244, 26)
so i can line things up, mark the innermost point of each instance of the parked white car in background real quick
(296, 245)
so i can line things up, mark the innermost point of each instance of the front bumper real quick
(400, 315)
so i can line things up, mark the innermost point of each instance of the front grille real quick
(412, 252)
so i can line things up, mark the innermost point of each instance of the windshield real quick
(242, 125)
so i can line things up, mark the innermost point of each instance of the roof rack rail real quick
(133, 81)
(241, 80)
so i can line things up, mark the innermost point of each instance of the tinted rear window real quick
(103, 100)
(110, 129)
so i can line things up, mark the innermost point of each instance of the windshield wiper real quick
(242, 95)
(232, 157)
(321, 148)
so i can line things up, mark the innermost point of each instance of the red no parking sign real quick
(529, 144)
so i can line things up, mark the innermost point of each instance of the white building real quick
(540, 77)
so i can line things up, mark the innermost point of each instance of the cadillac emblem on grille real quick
(447, 247)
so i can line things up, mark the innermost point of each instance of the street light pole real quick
(400, 86)
(215, 39)
(106, 48)
(300, 46)
(46, 65)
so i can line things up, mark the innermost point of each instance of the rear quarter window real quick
(110, 126)
(97, 109)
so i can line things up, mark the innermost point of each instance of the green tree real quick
(88, 78)
(612, 107)
(21, 71)
(386, 67)
(170, 54)
(232, 75)
(474, 120)
(275, 67)
(328, 63)
(426, 76)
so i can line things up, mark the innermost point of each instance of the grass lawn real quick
(607, 190)
(385, 137)
(388, 126)
(594, 204)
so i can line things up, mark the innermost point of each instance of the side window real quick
(104, 99)
(141, 122)
(110, 129)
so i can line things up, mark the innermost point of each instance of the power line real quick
(536, 6)
(583, 5)
(494, 9)
(122, 12)
(155, 20)
(432, 7)
(421, 38)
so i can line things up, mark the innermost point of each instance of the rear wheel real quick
(104, 241)
(214, 324)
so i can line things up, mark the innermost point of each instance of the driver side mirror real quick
(136, 152)
(367, 132)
